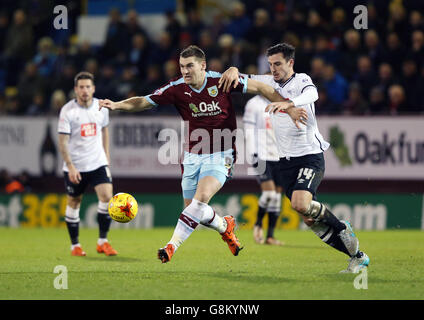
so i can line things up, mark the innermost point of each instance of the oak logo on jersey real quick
(88, 129)
(213, 91)
(205, 109)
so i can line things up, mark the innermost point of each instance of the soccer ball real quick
(123, 207)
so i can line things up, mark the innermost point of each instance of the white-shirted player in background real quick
(301, 152)
(84, 146)
(262, 150)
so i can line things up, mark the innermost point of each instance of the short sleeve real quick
(106, 117)
(163, 95)
(64, 125)
(242, 85)
(305, 82)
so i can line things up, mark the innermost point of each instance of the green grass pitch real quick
(204, 269)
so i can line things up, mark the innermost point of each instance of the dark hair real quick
(82, 76)
(287, 50)
(193, 51)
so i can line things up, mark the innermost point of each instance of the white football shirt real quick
(291, 141)
(262, 138)
(84, 125)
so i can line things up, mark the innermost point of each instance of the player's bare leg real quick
(328, 228)
(104, 193)
(72, 220)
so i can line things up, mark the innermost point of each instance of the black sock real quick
(261, 214)
(329, 236)
(331, 220)
(104, 221)
(272, 221)
(73, 229)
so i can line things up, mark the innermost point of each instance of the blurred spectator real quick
(65, 81)
(337, 27)
(335, 84)
(208, 45)
(395, 52)
(417, 51)
(126, 83)
(316, 27)
(84, 52)
(153, 79)
(317, 71)
(324, 106)
(57, 101)
(240, 23)
(416, 21)
(171, 69)
(217, 26)
(397, 21)
(385, 77)
(195, 25)
(105, 83)
(116, 36)
(215, 64)
(173, 28)
(355, 103)
(164, 50)
(45, 58)
(348, 63)
(18, 46)
(411, 82)
(261, 28)
(37, 107)
(29, 84)
(4, 24)
(378, 104)
(366, 75)
(92, 66)
(138, 54)
(134, 27)
(373, 48)
(323, 49)
(397, 99)
(304, 55)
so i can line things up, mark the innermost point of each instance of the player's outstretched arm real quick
(133, 104)
(298, 115)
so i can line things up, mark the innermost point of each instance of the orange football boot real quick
(107, 249)
(165, 254)
(229, 237)
(78, 252)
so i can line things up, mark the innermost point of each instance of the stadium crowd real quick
(379, 70)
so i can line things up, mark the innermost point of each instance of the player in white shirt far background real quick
(84, 146)
(301, 151)
(262, 150)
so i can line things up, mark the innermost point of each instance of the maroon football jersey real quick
(209, 111)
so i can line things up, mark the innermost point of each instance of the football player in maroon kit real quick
(207, 163)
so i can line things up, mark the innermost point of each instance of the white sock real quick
(185, 226)
(75, 245)
(101, 241)
(208, 216)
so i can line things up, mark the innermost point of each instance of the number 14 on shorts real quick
(305, 175)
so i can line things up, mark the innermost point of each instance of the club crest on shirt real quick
(213, 91)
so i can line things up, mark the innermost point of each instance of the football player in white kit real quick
(301, 152)
(261, 148)
(84, 146)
